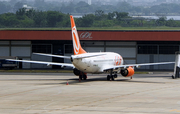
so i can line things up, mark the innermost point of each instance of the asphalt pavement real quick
(62, 93)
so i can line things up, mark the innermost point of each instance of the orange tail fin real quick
(76, 43)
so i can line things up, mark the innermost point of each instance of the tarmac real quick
(62, 93)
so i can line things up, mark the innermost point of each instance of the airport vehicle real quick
(96, 63)
(8, 65)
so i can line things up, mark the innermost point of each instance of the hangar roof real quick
(90, 35)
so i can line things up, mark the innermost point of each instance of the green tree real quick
(21, 13)
(120, 15)
(111, 16)
(66, 20)
(31, 13)
(9, 20)
(161, 21)
(53, 17)
(104, 23)
(149, 23)
(173, 23)
(40, 19)
(100, 15)
(27, 22)
(86, 20)
(135, 23)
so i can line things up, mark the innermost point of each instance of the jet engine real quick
(127, 72)
(76, 72)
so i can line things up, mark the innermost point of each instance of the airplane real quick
(95, 63)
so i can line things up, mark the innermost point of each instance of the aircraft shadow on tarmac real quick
(76, 80)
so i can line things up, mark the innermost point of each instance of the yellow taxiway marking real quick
(174, 110)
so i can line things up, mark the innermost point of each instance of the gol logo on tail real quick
(75, 41)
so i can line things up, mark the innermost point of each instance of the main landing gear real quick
(111, 76)
(82, 76)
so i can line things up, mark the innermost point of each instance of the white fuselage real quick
(97, 64)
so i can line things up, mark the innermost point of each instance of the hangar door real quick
(41, 48)
(93, 46)
(20, 49)
(4, 48)
(157, 52)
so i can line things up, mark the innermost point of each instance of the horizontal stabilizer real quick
(42, 62)
(59, 56)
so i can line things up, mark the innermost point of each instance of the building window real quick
(168, 49)
(68, 49)
(41, 48)
(145, 49)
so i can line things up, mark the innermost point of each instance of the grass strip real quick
(100, 28)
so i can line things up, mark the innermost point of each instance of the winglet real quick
(76, 43)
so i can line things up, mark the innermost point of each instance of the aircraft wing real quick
(59, 56)
(138, 65)
(42, 62)
(86, 56)
(68, 57)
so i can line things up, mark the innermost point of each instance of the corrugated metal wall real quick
(21, 49)
(91, 35)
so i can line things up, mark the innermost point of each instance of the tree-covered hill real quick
(82, 7)
(44, 19)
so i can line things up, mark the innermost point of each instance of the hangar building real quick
(134, 46)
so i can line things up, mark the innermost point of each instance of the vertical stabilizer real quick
(76, 43)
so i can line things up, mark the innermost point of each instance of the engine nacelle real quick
(127, 72)
(76, 72)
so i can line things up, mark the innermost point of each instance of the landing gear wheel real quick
(80, 77)
(108, 77)
(84, 77)
(115, 75)
(112, 77)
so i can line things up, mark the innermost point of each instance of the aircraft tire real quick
(112, 77)
(108, 77)
(115, 75)
(80, 77)
(84, 77)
